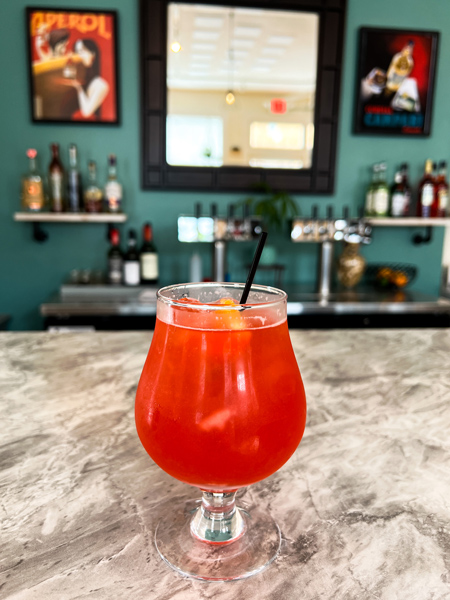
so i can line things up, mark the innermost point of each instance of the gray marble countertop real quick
(363, 505)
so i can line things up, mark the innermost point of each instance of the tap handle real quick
(246, 211)
(230, 211)
(213, 210)
(198, 209)
(346, 213)
(315, 211)
(330, 212)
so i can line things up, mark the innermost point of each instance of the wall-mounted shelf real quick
(39, 235)
(48, 217)
(411, 222)
(407, 222)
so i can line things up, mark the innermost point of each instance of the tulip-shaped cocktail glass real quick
(220, 405)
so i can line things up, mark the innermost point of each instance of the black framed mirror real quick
(239, 93)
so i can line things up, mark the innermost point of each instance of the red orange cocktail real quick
(220, 405)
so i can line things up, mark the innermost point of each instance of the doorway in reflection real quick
(240, 87)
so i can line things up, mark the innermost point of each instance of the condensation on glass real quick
(240, 86)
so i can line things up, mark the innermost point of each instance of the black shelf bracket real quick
(423, 239)
(39, 235)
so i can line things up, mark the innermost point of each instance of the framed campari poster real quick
(73, 69)
(395, 81)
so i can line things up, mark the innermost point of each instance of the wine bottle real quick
(131, 261)
(56, 181)
(73, 181)
(115, 259)
(148, 257)
(426, 191)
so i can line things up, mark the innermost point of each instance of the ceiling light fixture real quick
(230, 98)
(175, 46)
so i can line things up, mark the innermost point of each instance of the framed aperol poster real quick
(395, 81)
(73, 68)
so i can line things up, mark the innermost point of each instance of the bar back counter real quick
(120, 308)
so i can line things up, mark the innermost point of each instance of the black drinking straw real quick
(251, 273)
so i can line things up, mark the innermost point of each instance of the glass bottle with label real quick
(149, 257)
(93, 195)
(440, 204)
(113, 189)
(115, 259)
(381, 194)
(131, 266)
(369, 208)
(399, 197)
(426, 191)
(32, 185)
(73, 181)
(406, 189)
(56, 181)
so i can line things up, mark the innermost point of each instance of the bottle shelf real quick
(407, 222)
(48, 217)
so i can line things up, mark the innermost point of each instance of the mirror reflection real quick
(240, 86)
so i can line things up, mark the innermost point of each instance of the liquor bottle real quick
(406, 189)
(93, 195)
(148, 257)
(131, 265)
(113, 189)
(400, 67)
(115, 259)
(73, 181)
(426, 191)
(381, 194)
(369, 209)
(440, 204)
(398, 199)
(32, 185)
(56, 181)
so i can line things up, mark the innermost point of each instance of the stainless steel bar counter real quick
(135, 308)
(363, 504)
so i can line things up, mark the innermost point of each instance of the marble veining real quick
(363, 505)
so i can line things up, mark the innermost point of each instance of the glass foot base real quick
(249, 554)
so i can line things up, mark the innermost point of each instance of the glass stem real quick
(218, 520)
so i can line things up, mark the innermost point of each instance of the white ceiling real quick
(241, 49)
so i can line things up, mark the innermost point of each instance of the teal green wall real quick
(31, 272)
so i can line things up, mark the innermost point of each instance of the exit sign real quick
(278, 106)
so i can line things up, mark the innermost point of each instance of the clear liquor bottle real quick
(113, 189)
(369, 208)
(32, 195)
(381, 194)
(93, 195)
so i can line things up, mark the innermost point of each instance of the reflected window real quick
(310, 136)
(194, 140)
(277, 136)
(273, 163)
